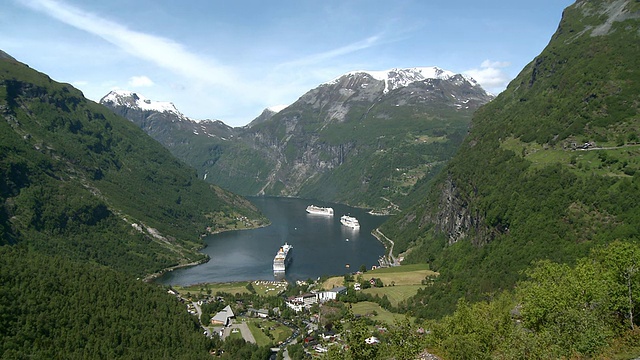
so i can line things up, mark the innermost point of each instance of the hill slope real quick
(549, 169)
(79, 181)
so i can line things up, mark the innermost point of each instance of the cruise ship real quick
(312, 209)
(282, 258)
(350, 221)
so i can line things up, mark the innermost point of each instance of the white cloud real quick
(163, 52)
(334, 53)
(80, 83)
(140, 81)
(491, 75)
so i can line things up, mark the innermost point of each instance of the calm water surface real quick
(321, 245)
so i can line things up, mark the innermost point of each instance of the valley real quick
(513, 219)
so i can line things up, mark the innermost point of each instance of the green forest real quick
(89, 205)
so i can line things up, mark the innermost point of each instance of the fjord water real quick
(321, 245)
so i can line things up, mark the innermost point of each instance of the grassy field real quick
(269, 288)
(401, 282)
(261, 327)
(398, 275)
(608, 159)
(261, 338)
(332, 282)
(367, 308)
(395, 294)
(213, 288)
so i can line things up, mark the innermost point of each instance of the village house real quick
(299, 302)
(331, 294)
(223, 317)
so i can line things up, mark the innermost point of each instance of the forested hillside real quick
(549, 170)
(82, 182)
(89, 205)
(56, 308)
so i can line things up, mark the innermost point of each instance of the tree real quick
(404, 342)
(567, 305)
(363, 268)
(296, 351)
(358, 349)
(621, 262)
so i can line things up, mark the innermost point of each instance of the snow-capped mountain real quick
(397, 78)
(362, 125)
(136, 101)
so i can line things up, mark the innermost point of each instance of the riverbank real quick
(151, 277)
(387, 259)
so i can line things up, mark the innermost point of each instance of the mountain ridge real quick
(297, 150)
(75, 173)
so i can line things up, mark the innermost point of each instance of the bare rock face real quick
(338, 142)
(457, 220)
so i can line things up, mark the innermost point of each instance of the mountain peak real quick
(134, 100)
(400, 77)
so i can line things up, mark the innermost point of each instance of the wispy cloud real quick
(163, 52)
(491, 75)
(140, 81)
(337, 52)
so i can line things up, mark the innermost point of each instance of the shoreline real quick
(151, 277)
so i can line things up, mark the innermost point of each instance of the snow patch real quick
(277, 108)
(397, 78)
(134, 100)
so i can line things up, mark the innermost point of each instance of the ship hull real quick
(282, 258)
(316, 210)
(350, 222)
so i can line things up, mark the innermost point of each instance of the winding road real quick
(377, 233)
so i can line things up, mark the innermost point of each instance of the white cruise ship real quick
(282, 258)
(350, 221)
(312, 209)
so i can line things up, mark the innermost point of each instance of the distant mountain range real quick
(365, 138)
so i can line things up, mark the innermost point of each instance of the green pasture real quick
(368, 309)
(607, 159)
(213, 288)
(395, 294)
(397, 275)
(260, 328)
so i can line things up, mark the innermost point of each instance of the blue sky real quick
(229, 60)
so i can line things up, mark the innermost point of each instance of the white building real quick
(304, 301)
(331, 294)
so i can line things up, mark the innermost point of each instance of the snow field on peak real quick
(135, 100)
(396, 78)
